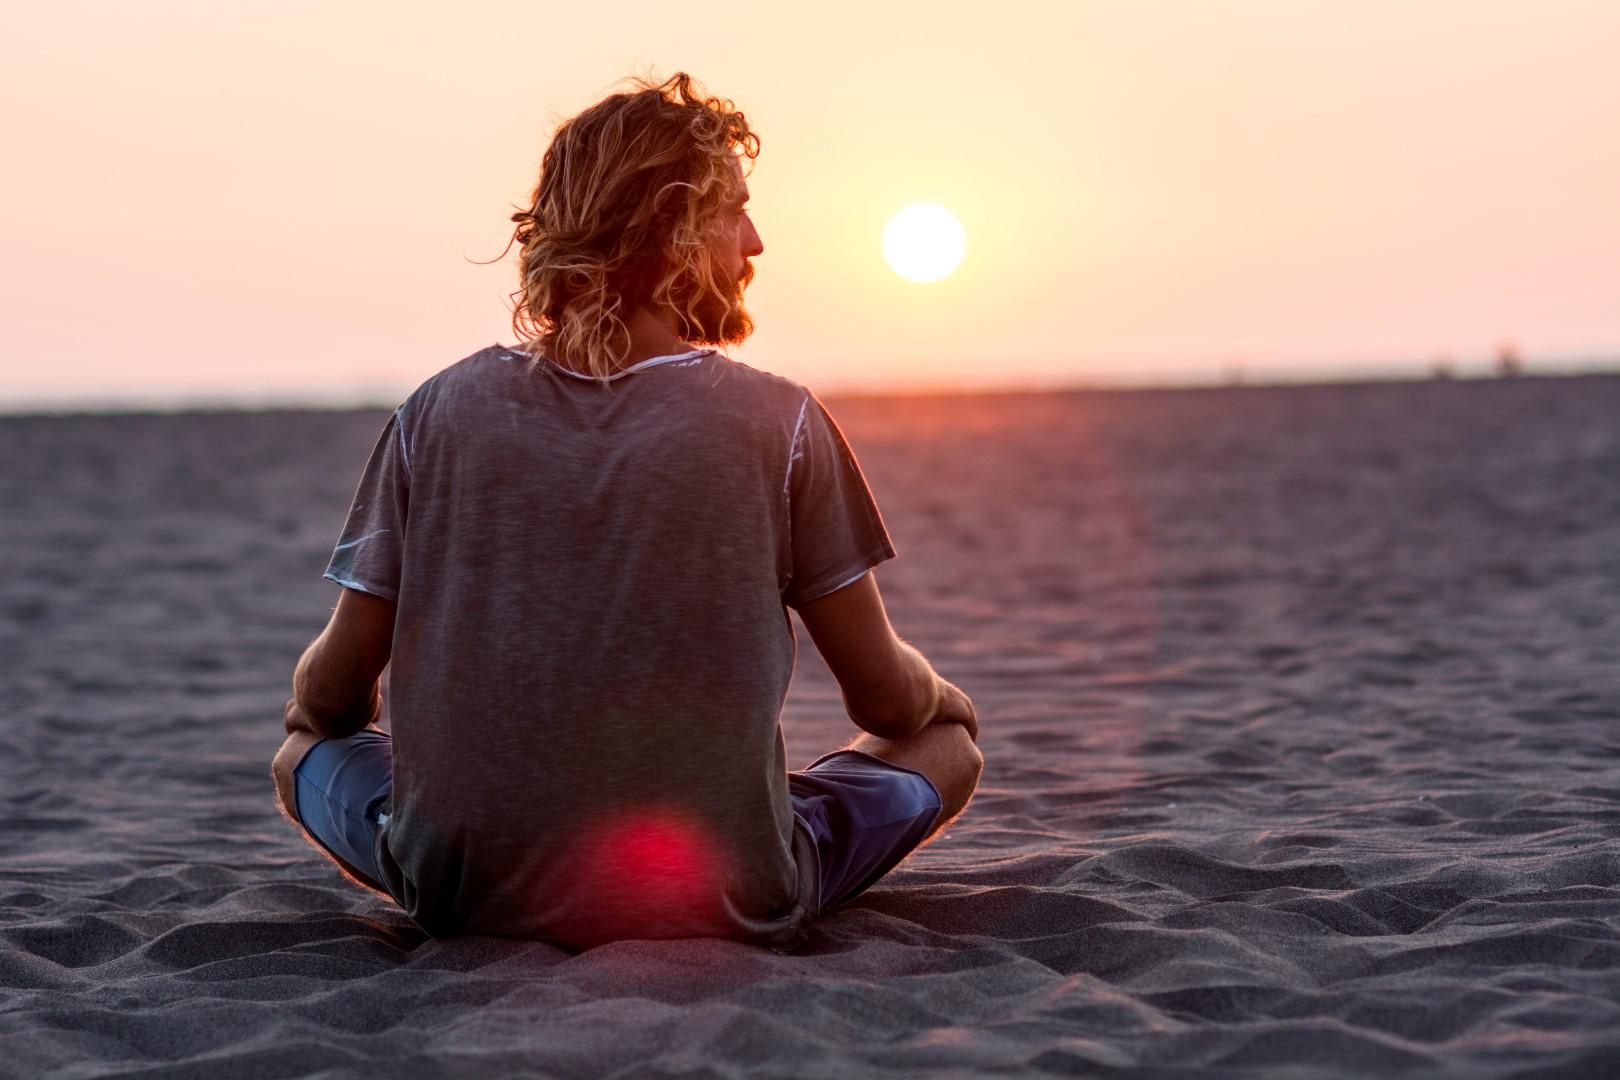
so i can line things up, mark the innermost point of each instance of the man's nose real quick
(752, 244)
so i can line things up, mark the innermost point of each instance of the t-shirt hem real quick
(833, 582)
(363, 586)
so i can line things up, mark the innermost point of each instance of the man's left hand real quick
(295, 719)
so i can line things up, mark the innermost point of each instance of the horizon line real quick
(375, 400)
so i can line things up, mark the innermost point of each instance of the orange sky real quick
(278, 200)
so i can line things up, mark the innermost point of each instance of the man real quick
(578, 556)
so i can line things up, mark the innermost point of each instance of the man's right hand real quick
(955, 707)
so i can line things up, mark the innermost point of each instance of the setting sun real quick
(924, 242)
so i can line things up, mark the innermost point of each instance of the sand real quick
(1301, 709)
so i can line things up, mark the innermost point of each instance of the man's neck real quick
(651, 335)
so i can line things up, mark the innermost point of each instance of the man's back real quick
(579, 558)
(590, 650)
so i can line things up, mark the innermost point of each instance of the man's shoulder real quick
(491, 364)
(752, 380)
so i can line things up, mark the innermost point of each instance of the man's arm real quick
(889, 688)
(335, 692)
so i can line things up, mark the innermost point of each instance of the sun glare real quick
(924, 242)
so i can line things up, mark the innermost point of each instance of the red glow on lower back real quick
(657, 854)
(648, 872)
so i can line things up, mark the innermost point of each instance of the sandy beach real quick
(1301, 711)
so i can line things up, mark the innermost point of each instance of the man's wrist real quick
(933, 692)
(332, 723)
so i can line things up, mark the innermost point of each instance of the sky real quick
(274, 202)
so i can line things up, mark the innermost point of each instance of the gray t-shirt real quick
(592, 644)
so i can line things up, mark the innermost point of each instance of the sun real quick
(924, 242)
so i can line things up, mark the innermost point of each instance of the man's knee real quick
(966, 750)
(284, 764)
(290, 753)
(966, 764)
(945, 753)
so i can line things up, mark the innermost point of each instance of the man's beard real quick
(718, 317)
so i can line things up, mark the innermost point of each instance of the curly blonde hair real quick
(630, 195)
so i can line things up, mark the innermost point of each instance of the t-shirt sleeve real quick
(835, 531)
(369, 554)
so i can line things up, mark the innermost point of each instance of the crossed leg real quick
(942, 752)
(282, 768)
